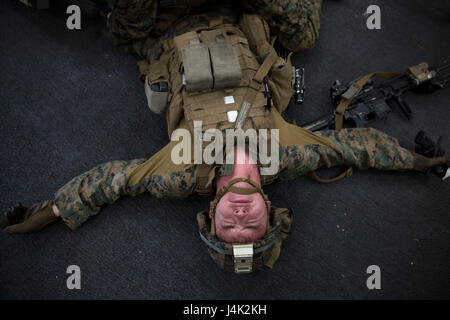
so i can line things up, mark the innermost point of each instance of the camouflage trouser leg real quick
(84, 195)
(295, 22)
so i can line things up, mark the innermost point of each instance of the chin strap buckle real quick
(243, 258)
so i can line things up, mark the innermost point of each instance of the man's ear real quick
(210, 207)
(268, 203)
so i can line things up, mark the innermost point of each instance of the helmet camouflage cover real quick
(245, 258)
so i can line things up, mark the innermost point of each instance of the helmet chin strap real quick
(244, 191)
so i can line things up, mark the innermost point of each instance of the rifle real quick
(363, 101)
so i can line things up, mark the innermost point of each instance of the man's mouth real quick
(240, 201)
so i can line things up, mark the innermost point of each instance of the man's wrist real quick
(56, 211)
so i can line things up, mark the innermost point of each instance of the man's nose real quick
(240, 212)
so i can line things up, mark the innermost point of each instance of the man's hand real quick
(430, 149)
(27, 219)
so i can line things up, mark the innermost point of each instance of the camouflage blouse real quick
(85, 194)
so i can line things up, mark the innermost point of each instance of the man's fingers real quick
(439, 160)
(422, 163)
(16, 229)
(39, 216)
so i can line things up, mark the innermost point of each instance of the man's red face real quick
(241, 218)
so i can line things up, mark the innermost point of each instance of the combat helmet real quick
(245, 258)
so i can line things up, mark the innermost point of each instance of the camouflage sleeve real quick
(131, 20)
(177, 184)
(84, 195)
(295, 22)
(362, 148)
(173, 24)
(141, 20)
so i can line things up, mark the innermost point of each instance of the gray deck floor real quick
(71, 100)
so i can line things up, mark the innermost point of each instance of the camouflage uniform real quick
(296, 23)
(140, 24)
(362, 148)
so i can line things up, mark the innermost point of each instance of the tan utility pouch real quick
(156, 73)
(197, 67)
(281, 83)
(156, 100)
(225, 64)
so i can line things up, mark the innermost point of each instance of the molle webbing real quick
(211, 106)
